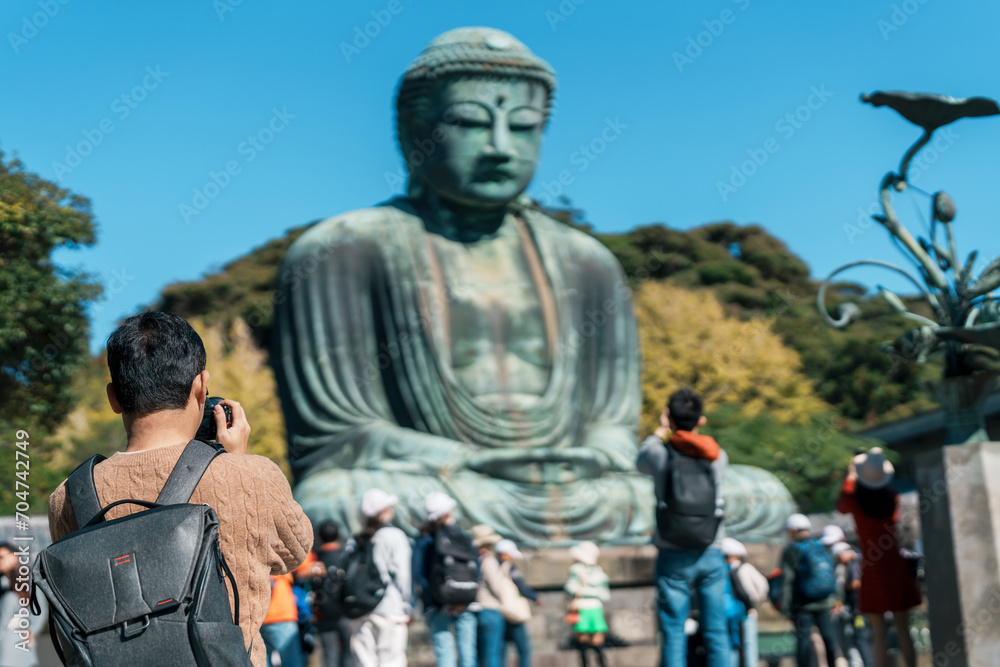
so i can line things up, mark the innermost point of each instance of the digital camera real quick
(207, 430)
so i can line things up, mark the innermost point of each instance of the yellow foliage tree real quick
(239, 370)
(688, 341)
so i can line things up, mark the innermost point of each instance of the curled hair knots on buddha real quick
(484, 53)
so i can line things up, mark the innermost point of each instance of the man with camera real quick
(159, 385)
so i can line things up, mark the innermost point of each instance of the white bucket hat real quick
(375, 501)
(874, 471)
(585, 552)
(798, 522)
(733, 547)
(508, 547)
(438, 504)
(832, 534)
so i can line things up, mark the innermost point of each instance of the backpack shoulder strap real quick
(188, 471)
(82, 492)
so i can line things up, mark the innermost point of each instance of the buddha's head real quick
(471, 110)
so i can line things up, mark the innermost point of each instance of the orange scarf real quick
(694, 445)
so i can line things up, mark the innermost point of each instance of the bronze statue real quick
(458, 339)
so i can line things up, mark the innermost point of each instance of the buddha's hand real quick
(541, 465)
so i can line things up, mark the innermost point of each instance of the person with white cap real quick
(446, 570)
(589, 588)
(852, 632)
(492, 591)
(832, 535)
(808, 583)
(379, 639)
(886, 582)
(749, 588)
(516, 632)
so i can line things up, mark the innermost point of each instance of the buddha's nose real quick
(500, 146)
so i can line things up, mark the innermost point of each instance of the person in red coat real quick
(886, 582)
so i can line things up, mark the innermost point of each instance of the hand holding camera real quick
(225, 422)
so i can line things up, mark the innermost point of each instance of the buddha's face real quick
(482, 142)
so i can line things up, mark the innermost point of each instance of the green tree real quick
(809, 458)
(43, 326)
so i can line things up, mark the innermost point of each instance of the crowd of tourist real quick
(707, 597)
(474, 599)
(356, 598)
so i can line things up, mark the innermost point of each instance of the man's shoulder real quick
(249, 470)
(60, 493)
(250, 463)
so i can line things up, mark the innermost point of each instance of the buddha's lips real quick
(494, 174)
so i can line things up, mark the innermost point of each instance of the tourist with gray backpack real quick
(163, 552)
(687, 470)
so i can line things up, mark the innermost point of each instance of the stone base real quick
(959, 489)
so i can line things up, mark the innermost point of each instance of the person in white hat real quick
(379, 639)
(750, 588)
(589, 588)
(516, 632)
(832, 534)
(886, 583)
(446, 570)
(807, 587)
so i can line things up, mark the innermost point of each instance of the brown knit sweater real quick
(262, 530)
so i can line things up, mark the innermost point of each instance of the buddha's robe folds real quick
(364, 363)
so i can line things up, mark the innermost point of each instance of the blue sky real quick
(164, 95)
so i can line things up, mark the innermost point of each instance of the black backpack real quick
(353, 587)
(689, 516)
(143, 589)
(454, 570)
(328, 591)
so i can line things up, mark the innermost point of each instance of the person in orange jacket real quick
(281, 627)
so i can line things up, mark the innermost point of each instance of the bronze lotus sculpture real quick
(965, 328)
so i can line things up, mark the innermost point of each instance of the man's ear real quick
(702, 420)
(113, 399)
(199, 388)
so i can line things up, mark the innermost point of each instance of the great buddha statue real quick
(457, 338)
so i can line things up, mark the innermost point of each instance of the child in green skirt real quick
(588, 587)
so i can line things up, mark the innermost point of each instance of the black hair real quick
(8, 546)
(876, 503)
(685, 408)
(153, 358)
(328, 531)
